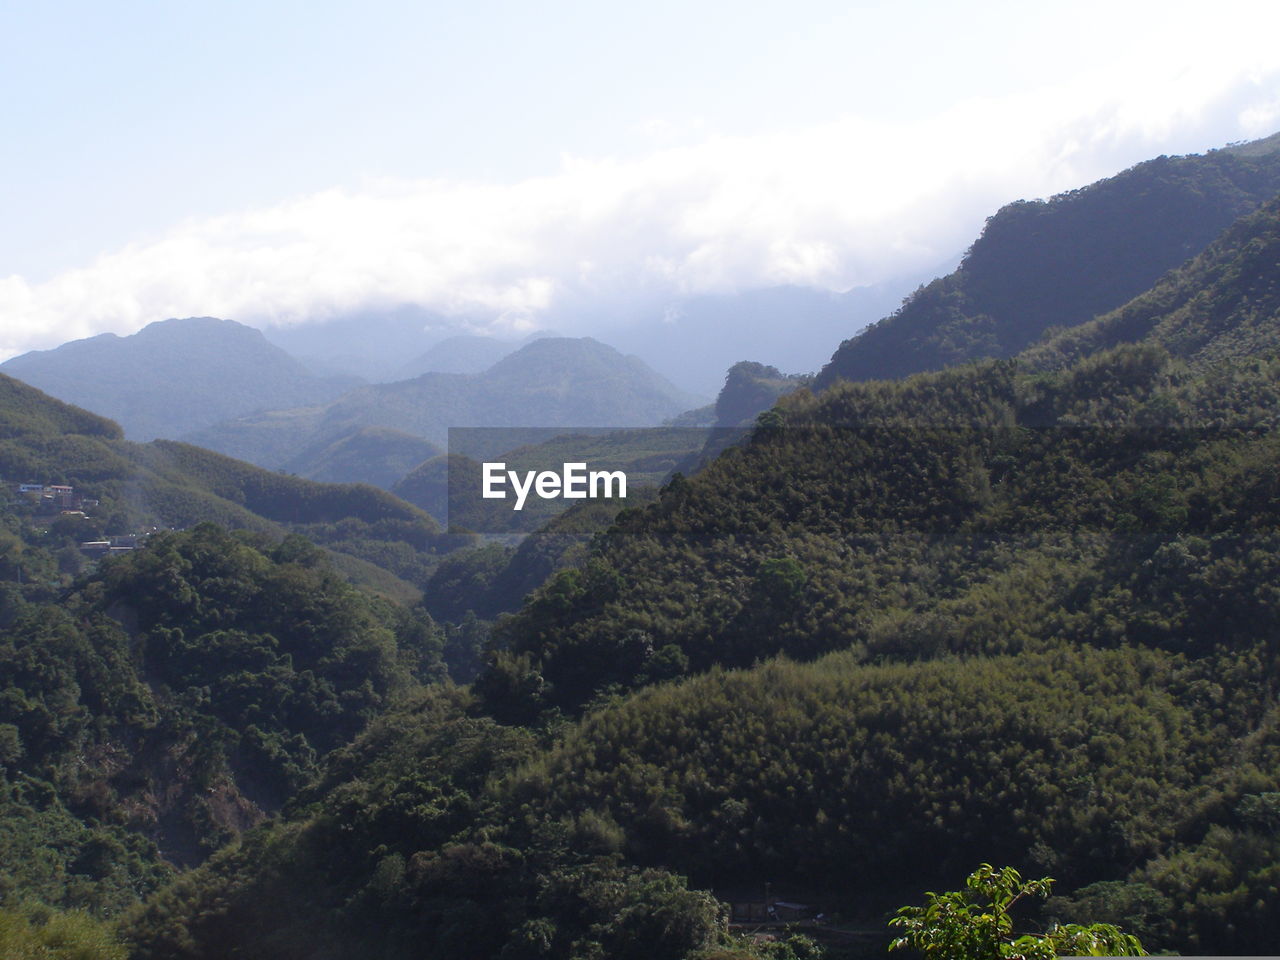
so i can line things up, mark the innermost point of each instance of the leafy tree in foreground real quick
(974, 924)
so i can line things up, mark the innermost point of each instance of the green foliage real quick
(1221, 308)
(1023, 609)
(280, 651)
(750, 388)
(1045, 264)
(45, 934)
(26, 412)
(871, 780)
(171, 484)
(1048, 511)
(176, 697)
(975, 924)
(50, 855)
(1138, 908)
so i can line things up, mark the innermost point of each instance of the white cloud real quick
(849, 202)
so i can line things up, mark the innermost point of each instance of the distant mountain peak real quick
(173, 376)
(547, 382)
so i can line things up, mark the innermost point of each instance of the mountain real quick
(376, 538)
(174, 376)
(170, 698)
(1021, 610)
(692, 341)
(553, 381)
(376, 455)
(1220, 309)
(751, 388)
(864, 476)
(464, 353)
(1063, 261)
(1093, 526)
(161, 697)
(369, 345)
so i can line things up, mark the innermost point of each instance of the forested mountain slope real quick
(1037, 603)
(168, 484)
(443, 835)
(174, 697)
(1061, 262)
(845, 521)
(157, 700)
(376, 455)
(1220, 308)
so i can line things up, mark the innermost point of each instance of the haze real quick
(520, 166)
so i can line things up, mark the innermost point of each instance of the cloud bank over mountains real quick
(852, 202)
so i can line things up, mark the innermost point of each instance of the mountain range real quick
(140, 486)
(690, 341)
(552, 381)
(175, 376)
(1019, 610)
(999, 587)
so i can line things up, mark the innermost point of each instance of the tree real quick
(974, 924)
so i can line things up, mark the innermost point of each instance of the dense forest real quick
(1051, 263)
(1020, 610)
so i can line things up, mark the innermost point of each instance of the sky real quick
(285, 162)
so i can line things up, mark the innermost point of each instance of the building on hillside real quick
(61, 494)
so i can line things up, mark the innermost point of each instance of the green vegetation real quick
(169, 484)
(373, 455)
(974, 924)
(1060, 262)
(45, 934)
(1020, 611)
(1217, 311)
(175, 698)
(750, 389)
(989, 509)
